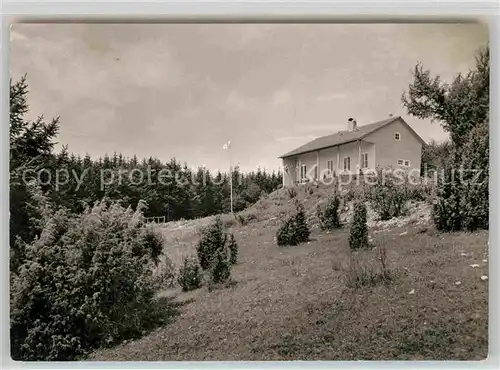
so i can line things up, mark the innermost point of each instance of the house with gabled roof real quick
(387, 143)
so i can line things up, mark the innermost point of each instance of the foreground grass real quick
(293, 303)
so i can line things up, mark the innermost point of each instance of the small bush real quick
(242, 221)
(475, 208)
(189, 275)
(359, 274)
(388, 197)
(229, 222)
(152, 240)
(382, 258)
(329, 218)
(292, 192)
(475, 162)
(212, 241)
(421, 192)
(86, 282)
(460, 205)
(462, 195)
(294, 230)
(446, 211)
(358, 237)
(164, 273)
(284, 236)
(348, 195)
(320, 216)
(251, 217)
(221, 270)
(233, 250)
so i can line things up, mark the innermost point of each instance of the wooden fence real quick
(158, 220)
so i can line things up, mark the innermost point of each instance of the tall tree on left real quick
(31, 145)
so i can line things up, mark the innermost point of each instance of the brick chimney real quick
(351, 124)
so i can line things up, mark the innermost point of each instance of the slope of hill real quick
(294, 304)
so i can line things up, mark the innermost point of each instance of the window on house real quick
(397, 136)
(303, 172)
(347, 163)
(364, 160)
(404, 162)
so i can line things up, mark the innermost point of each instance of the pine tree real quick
(189, 275)
(233, 250)
(294, 230)
(358, 237)
(212, 242)
(302, 230)
(31, 145)
(221, 270)
(475, 203)
(329, 219)
(446, 211)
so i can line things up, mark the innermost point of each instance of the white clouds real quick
(325, 128)
(330, 97)
(191, 112)
(281, 96)
(295, 139)
(149, 63)
(240, 102)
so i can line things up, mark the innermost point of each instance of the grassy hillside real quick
(294, 303)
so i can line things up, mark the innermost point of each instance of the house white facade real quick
(388, 143)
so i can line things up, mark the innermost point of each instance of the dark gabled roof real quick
(344, 137)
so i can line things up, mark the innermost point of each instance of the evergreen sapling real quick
(233, 250)
(358, 237)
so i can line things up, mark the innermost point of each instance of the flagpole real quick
(231, 180)
(227, 147)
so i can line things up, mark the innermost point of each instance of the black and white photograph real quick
(249, 191)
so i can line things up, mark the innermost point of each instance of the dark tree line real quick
(169, 189)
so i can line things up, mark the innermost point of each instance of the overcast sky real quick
(184, 90)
